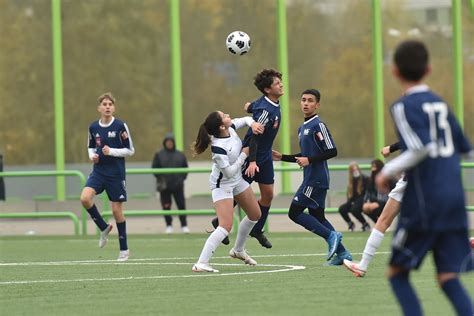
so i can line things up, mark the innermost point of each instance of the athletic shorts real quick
(228, 192)
(310, 197)
(398, 190)
(265, 175)
(115, 187)
(451, 250)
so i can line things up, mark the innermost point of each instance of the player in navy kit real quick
(317, 146)
(227, 184)
(259, 165)
(433, 213)
(109, 143)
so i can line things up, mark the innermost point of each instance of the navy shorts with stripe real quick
(310, 197)
(265, 175)
(451, 250)
(114, 187)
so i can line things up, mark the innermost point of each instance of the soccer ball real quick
(238, 43)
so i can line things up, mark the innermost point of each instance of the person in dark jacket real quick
(171, 184)
(356, 188)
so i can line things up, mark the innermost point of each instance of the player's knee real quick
(167, 206)
(86, 201)
(293, 213)
(318, 214)
(445, 277)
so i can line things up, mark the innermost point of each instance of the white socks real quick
(373, 243)
(211, 244)
(245, 227)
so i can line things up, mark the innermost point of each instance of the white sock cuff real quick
(222, 230)
(246, 219)
(377, 233)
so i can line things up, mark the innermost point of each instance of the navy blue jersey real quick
(116, 135)
(268, 113)
(315, 139)
(434, 196)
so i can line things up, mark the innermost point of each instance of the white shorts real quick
(228, 192)
(398, 190)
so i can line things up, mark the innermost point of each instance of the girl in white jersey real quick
(227, 184)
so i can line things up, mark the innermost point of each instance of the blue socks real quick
(313, 225)
(340, 248)
(122, 232)
(405, 294)
(258, 228)
(97, 218)
(458, 297)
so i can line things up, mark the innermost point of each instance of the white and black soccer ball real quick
(238, 43)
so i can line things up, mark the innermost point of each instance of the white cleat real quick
(123, 255)
(203, 267)
(169, 229)
(104, 236)
(185, 229)
(354, 268)
(242, 255)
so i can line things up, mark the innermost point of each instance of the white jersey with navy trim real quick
(227, 157)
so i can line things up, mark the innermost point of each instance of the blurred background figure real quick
(168, 185)
(356, 188)
(2, 182)
(374, 199)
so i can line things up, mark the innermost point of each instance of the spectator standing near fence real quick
(109, 143)
(171, 185)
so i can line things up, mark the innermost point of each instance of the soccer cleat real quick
(242, 255)
(169, 229)
(333, 241)
(365, 227)
(262, 239)
(123, 255)
(185, 230)
(354, 268)
(104, 236)
(203, 267)
(215, 224)
(339, 259)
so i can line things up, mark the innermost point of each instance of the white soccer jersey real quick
(227, 157)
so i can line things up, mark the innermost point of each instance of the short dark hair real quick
(264, 79)
(314, 92)
(411, 58)
(107, 95)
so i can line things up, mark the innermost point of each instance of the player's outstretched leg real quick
(238, 251)
(375, 239)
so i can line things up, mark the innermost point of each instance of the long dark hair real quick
(209, 127)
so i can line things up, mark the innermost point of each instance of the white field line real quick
(78, 262)
(283, 268)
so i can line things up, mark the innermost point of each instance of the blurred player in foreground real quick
(433, 214)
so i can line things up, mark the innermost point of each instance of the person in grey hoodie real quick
(169, 185)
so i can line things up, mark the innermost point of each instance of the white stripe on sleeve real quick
(409, 136)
